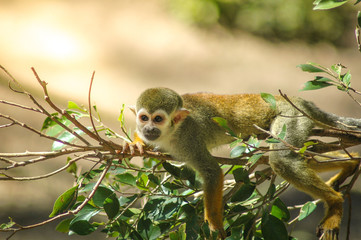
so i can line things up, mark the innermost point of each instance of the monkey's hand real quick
(327, 234)
(329, 226)
(137, 144)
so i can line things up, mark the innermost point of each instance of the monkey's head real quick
(159, 112)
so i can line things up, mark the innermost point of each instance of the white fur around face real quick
(158, 119)
(167, 124)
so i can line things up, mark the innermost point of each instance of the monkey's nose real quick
(151, 133)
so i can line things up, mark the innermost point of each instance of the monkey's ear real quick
(132, 108)
(180, 115)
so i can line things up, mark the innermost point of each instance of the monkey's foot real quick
(136, 145)
(324, 233)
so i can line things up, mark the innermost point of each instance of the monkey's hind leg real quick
(293, 168)
(348, 167)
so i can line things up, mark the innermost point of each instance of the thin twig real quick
(7, 125)
(90, 108)
(21, 106)
(62, 112)
(10, 178)
(97, 184)
(36, 131)
(13, 80)
(41, 156)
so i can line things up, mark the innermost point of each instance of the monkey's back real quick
(242, 112)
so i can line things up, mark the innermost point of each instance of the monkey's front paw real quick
(132, 147)
(324, 233)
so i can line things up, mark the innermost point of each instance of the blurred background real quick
(221, 46)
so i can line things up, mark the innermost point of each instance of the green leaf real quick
(272, 140)
(87, 212)
(147, 229)
(306, 210)
(126, 178)
(72, 167)
(80, 224)
(236, 233)
(237, 151)
(238, 209)
(254, 142)
(142, 182)
(337, 68)
(316, 84)
(254, 158)
(65, 201)
(8, 225)
(241, 175)
(310, 67)
(283, 132)
(64, 225)
(192, 226)
(65, 137)
(269, 98)
(175, 171)
(154, 179)
(111, 206)
(346, 79)
(82, 227)
(243, 219)
(243, 193)
(281, 135)
(125, 200)
(273, 228)
(169, 187)
(153, 204)
(49, 122)
(100, 195)
(323, 79)
(306, 145)
(279, 210)
(224, 124)
(73, 105)
(121, 116)
(327, 4)
(168, 209)
(180, 234)
(271, 190)
(52, 128)
(186, 211)
(188, 174)
(358, 15)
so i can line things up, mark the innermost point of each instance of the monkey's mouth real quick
(151, 134)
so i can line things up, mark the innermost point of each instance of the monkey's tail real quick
(345, 123)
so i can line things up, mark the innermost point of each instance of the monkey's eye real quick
(158, 119)
(144, 118)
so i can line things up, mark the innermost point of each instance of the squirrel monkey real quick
(183, 127)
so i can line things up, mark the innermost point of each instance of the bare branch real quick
(90, 108)
(21, 106)
(10, 178)
(64, 113)
(36, 131)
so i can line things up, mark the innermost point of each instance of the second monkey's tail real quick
(345, 123)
